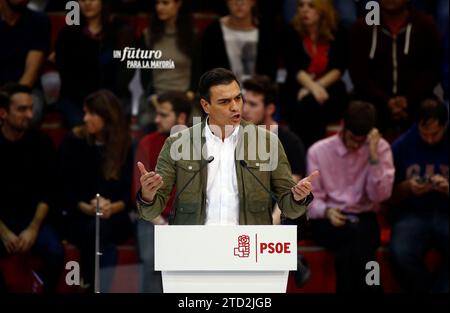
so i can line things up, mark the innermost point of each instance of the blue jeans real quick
(150, 281)
(413, 235)
(442, 15)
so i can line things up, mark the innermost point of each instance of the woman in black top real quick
(315, 59)
(97, 158)
(84, 58)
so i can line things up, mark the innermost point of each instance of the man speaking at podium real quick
(221, 168)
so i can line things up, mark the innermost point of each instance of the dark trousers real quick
(309, 119)
(413, 234)
(150, 281)
(81, 232)
(354, 245)
(48, 247)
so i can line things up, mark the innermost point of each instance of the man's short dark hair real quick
(262, 84)
(432, 109)
(360, 117)
(180, 102)
(214, 77)
(10, 89)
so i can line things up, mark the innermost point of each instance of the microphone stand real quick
(97, 245)
(244, 165)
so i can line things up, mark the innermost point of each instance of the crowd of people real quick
(302, 64)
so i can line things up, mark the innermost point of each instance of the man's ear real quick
(270, 109)
(205, 105)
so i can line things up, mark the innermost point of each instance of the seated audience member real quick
(171, 31)
(172, 108)
(420, 200)
(84, 58)
(315, 59)
(25, 205)
(238, 42)
(25, 37)
(261, 97)
(357, 173)
(95, 159)
(395, 65)
(348, 10)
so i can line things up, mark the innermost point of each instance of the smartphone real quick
(352, 218)
(423, 180)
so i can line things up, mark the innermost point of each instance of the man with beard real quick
(172, 109)
(26, 183)
(395, 65)
(235, 189)
(358, 166)
(420, 200)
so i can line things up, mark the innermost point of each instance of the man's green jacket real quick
(255, 204)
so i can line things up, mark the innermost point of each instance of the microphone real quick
(173, 212)
(272, 195)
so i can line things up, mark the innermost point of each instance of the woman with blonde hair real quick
(315, 58)
(96, 158)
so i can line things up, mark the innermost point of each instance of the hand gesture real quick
(10, 241)
(304, 186)
(150, 183)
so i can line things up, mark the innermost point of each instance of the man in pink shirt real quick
(357, 173)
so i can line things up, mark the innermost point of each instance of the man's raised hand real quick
(304, 186)
(150, 183)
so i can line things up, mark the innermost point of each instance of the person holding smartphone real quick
(359, 175)
(420, 200)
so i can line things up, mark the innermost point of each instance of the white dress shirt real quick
(222, 195)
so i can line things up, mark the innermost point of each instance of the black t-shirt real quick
(86, 64)
(27, 174)
(295, 150)
(31, 32)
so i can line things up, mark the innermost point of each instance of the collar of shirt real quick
(342, 150)
(211, 138)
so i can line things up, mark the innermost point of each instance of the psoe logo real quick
(275, 247)
(243, 248)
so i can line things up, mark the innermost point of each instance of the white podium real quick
(225, 259)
